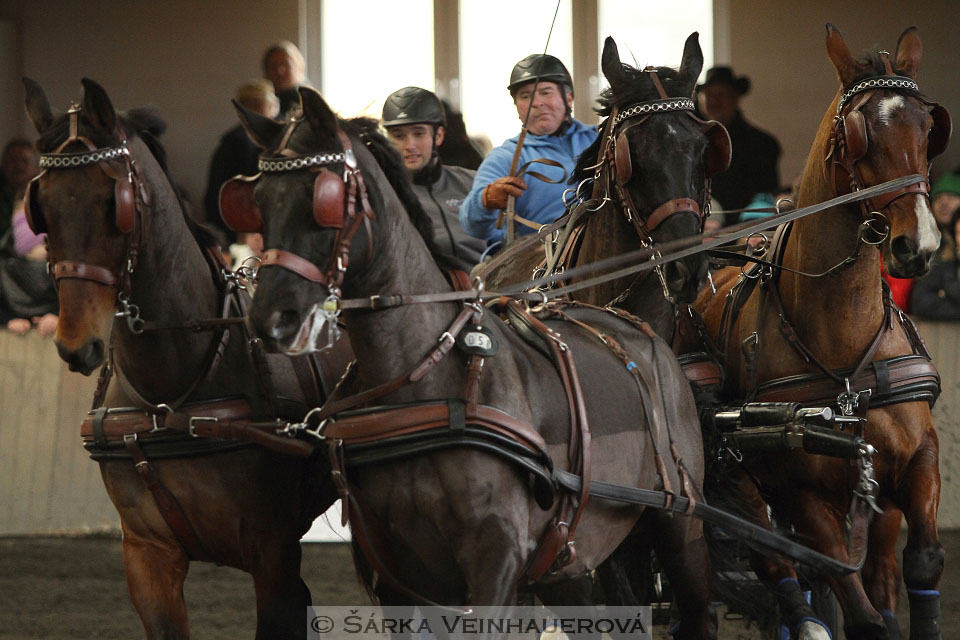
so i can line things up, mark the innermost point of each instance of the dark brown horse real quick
(457, 526)
(877, 128)
(102, 193)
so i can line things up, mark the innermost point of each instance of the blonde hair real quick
(291, 50)
(257, 95)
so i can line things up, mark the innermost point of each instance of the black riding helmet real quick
(547, 67)
(413, 105)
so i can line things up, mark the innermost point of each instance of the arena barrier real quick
(49, 485)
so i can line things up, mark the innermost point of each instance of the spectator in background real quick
(18, 165)
(236, 155)
(756, 154)
(28, 297)
(936, 296)
(284, 66)
(944, 200)
(457, 150)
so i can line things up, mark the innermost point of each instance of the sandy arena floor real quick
(66, 588)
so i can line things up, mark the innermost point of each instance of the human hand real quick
(495, 194)
(19, 326)
(46, 325)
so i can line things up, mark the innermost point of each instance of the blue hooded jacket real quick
(542, 202)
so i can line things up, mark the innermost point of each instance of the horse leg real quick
(490, 562)
(881, 572)
(282, 596)
(155, 573)
(817, 521)
(741, 494)
(918, 497)
(682, 551)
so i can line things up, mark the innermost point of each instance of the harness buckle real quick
(193, 424)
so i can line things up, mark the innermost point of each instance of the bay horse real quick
(458, 526)
(841, 335)
(120, 243)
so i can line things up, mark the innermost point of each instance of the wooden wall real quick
(48, 483)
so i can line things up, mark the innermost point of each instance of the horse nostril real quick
(283, 324)
(677, 275)
(86, 358)
(905, 249)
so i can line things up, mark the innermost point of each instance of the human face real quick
(19, 166)
(549, 107)
(719, 102)
(415, 144)
(944, 204)
(282, 70)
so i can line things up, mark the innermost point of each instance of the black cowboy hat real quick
(724, 75)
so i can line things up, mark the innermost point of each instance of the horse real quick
(820, 315)
(458, 525)
(650, 188)
(121, 244)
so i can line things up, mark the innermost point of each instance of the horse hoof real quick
(813, 630)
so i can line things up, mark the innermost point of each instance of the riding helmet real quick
(413, 105)
(549, 68)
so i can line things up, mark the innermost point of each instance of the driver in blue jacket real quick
(552, 133)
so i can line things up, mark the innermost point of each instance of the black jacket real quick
(936, 296)
(753, 168)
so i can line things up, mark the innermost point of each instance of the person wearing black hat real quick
(415, 119)
(756, 154)
(552, 133)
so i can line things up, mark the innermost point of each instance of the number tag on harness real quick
(476, 340)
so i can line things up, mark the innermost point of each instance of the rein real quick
(640, 260)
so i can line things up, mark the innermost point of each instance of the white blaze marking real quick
(929, 237)
(888, 106)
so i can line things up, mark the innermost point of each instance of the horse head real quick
(660, 157)
(885, 129)
(309, 165)
(86, 200)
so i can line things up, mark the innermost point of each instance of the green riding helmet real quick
(413, 105)
(549, 69)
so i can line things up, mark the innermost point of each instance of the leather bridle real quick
(130, 199)
(615, 159)
(334, 206)
(849, 143)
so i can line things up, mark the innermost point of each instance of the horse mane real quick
(391, 163)
(640, 88)
(146, 124)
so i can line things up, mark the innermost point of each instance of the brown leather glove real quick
(495, 194)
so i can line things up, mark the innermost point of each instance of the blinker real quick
(477, 340)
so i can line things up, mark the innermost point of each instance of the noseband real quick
(334, 207)
(130, 197)
(849, 142)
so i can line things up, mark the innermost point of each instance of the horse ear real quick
(264, 131)
(97, 105)
(691, 64)
(909, 52)
(315, 109)
(611, 65)
(38, 108)
(840, 55)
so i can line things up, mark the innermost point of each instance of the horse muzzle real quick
(84, 359)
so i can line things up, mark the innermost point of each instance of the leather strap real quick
(292, 262)
(84, 271)
(169, 508)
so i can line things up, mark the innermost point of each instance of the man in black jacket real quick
(756, 154)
